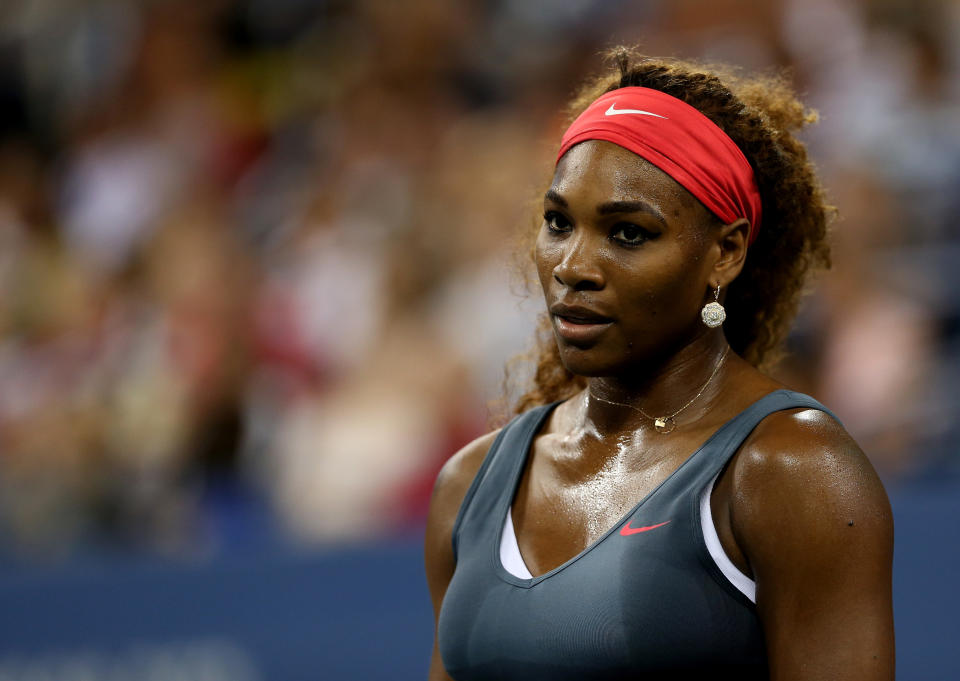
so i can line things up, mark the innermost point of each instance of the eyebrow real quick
(612, 207)
(552, 195)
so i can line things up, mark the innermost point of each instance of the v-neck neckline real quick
(506, 502)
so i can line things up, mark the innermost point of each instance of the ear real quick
(731, 247)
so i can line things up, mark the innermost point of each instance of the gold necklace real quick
(666, 424)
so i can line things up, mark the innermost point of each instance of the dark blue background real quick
(363, 612)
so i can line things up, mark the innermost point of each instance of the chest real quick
(634, 603)
(565, 502)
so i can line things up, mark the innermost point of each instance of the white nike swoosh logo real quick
(614, 111)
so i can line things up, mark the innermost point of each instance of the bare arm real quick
(448, 493)
(815, 524)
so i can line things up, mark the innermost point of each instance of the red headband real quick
(681, 142)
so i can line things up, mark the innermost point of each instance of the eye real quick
(630, 234)
(555, 222)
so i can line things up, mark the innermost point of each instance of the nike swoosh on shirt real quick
(626, 530)
(613, 111)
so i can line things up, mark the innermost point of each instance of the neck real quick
(632, 401)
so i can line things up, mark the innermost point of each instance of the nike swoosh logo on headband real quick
(612, 111)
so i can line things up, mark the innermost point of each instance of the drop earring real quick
(713, 313)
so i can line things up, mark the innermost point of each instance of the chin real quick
(587, 362)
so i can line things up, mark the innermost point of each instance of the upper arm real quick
(815, 524)
(448, 493)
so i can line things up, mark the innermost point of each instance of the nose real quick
(578, 267)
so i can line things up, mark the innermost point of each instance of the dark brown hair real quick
(761, 115)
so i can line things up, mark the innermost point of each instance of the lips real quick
(578, 324)
(577, 314)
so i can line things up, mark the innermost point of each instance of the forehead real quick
(597, 171)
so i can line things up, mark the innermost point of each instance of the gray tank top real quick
(644, 601)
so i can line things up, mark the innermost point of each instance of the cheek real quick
(545, 257)
(665, 293)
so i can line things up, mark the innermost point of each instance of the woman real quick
(661, 508)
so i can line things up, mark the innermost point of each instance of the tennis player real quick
(660, 508)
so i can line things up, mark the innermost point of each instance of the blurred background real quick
(258, 280)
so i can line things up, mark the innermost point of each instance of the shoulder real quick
(448, 493)
(790, 450)
(801, 485)
(450, 489)
(458, 473)
(813, 521)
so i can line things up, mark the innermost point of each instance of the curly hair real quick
(761, 115)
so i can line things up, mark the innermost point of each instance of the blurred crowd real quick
(259, 258)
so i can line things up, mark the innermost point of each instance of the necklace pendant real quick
(664, 424)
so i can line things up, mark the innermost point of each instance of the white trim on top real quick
(512, 560)
(742, 582)
(510, 556)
